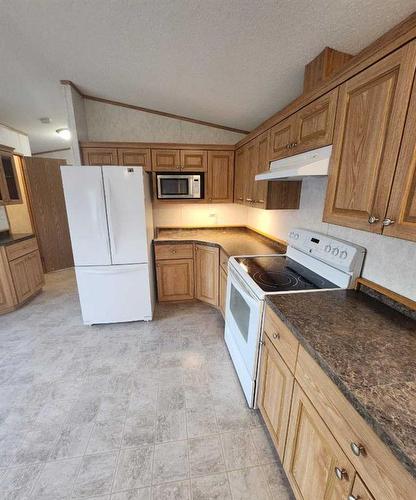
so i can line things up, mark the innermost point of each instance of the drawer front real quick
(163, 252)
(281, 337)
(224, 261)
(380, 470)
(21, 248)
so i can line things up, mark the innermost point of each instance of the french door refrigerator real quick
(111, 228)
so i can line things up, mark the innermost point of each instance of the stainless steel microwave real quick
(179, 186)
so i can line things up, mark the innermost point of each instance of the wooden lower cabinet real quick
(206, 273)
(27, 275)
(175, 279)
(222, 291)
(275, 394)
(314, 462)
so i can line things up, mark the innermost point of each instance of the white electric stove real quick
(313, 262)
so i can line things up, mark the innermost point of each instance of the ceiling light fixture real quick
(64, 133)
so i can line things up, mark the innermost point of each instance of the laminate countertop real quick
(368, 349)
(234, 241)
(7, 238)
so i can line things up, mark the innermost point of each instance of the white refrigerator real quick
(111, 226)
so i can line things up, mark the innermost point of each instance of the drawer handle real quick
(276, 335)
(341, 473)
(354, 497)
(173, 251)
(357, 449)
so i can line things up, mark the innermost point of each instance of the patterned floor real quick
(127, 411)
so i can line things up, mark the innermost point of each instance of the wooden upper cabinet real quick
(251, 169)
(275, 394)
(220, 179)
(193, 160)
(370, 120)
(314, 124)
(9, 182)
(99, 156)
(240, 174)
(135, 157)
(282, 136)
(166, 160)
(402, 205)
(314, 463)
(206, 273)
(259, 193)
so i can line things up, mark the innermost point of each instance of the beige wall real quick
(107, 122)
(60, 155)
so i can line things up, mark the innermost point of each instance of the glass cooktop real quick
(281, 274)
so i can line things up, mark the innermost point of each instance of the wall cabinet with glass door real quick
(9, 183)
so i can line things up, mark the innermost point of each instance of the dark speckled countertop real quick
(7, 238)
(233, 240)
(369, 350)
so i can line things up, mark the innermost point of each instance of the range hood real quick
(311, 163)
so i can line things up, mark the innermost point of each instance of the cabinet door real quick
(315, 123)
(21, 279)
(282, 136)
(193, 160)
(252, 162)
(402, 205)
(260, 187)
(175, 279)
(220, 179)
(135, 157)
(371, 113)
(100, 156)
(9, 183)
(35, 271)
(206, 273)
(240, 175)
(359, 490)
(223, 291)
(7, 295)
(275, 394)
(313, 457)
(166, 160)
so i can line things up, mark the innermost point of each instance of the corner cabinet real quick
(206, 273)
(370, 121)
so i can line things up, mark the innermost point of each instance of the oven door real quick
(174, 186)
(243, 320)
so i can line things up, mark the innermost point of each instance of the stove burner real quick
(281, 279)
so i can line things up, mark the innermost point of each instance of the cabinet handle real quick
(249, 200)
(173, 251)
(276, 336)
(178, 166)
(353, 497)
(260, 201)
(388, 222)
(240, 199)
(262, 342)
(358, 449)
(287, 146)
(373, 219)
(341, 473)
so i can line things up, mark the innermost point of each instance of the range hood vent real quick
(310, 164)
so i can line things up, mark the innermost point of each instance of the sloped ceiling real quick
(233, 62)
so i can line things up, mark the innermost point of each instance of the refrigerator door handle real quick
(111, 225)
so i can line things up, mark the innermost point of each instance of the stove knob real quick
(343, 255)
(291, 234)
(335, 251)
(327, 248)
(296, 236)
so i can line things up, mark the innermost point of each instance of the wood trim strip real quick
(398, 36)
(156, 145)
(51, 151)
(411, 304)
(153, 111)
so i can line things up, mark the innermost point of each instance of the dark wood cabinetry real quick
(9, 184)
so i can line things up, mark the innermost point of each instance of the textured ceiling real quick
(233, 62)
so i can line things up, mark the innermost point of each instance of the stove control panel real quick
(335, 252)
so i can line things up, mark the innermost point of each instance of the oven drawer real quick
(281, 337)
(174, 251)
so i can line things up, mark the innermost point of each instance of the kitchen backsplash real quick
(4, 223)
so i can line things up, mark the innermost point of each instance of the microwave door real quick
(174, 186)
